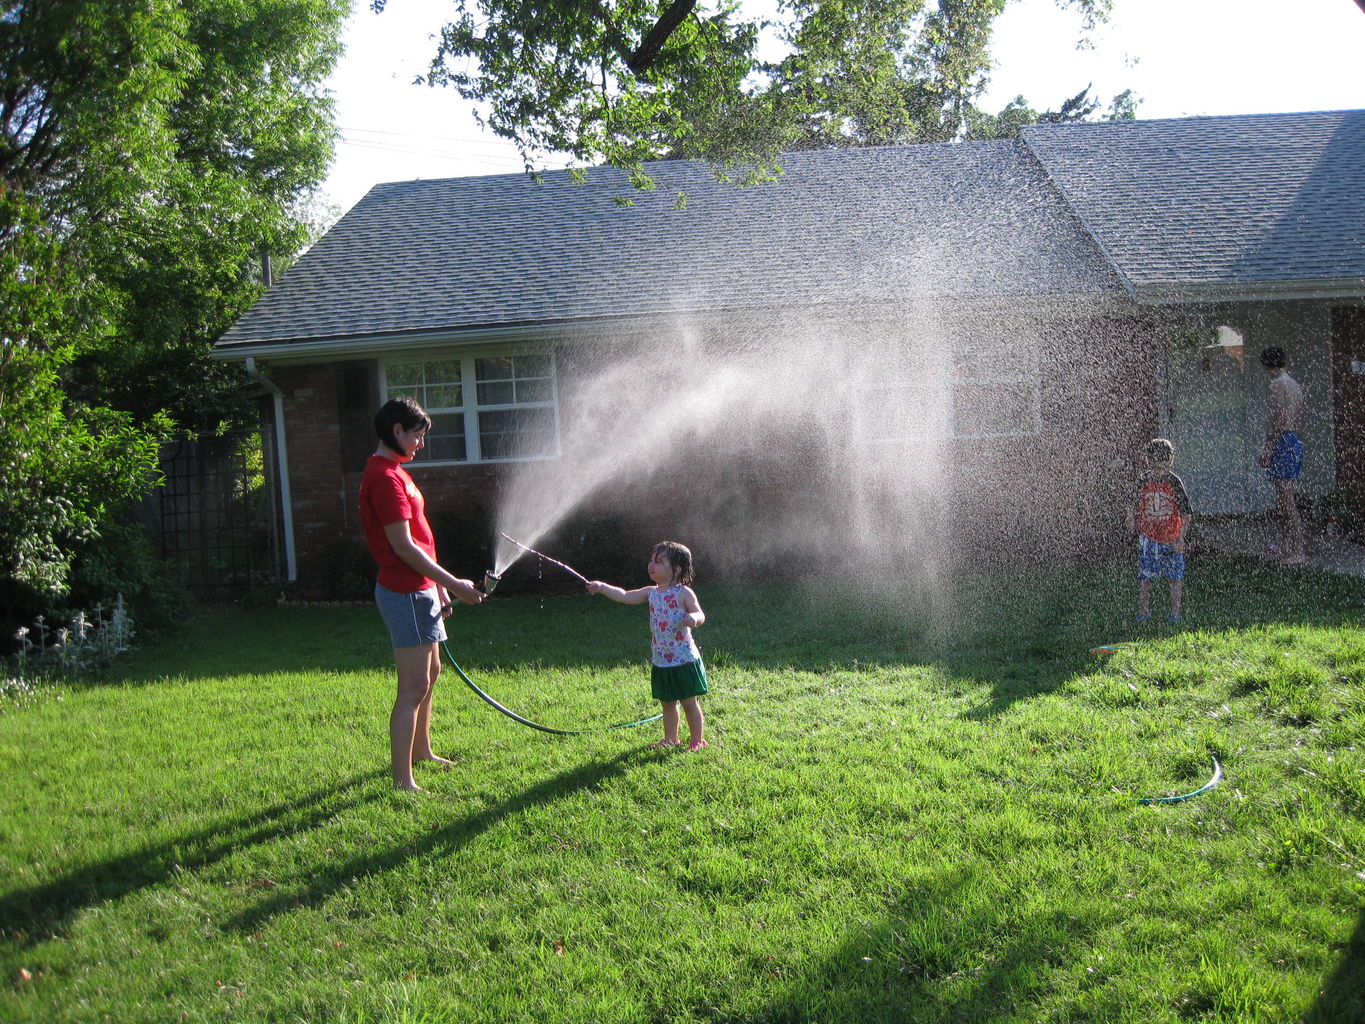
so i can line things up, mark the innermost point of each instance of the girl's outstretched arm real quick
(617, 594)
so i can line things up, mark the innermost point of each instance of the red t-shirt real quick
(388, 495)
(1162, 507)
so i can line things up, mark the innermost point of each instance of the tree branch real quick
(653, 43)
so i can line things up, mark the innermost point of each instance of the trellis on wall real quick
(216, 518)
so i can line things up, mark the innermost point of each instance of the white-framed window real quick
(994, 390)
(953, 388)
(483, 408)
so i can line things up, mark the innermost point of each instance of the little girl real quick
(677, 672)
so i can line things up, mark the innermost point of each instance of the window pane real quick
(993, 410)
(445, 440)
(499, 393)
(443, 372)
(434, 385)
(516, 433)
(538, 390)
(532, 366)
(444, 396)
(403, 375)
(493, 368)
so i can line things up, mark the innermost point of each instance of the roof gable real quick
(1213, 208)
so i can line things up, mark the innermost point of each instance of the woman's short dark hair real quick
(399, 412)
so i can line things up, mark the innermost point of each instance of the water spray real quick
(540, 554)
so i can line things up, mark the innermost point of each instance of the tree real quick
(253, 134)
(149, 151)
(627, 81)
(1018, 114)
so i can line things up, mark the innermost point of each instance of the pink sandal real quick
(695, 745)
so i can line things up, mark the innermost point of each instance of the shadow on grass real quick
(1023, 630)
(1342, 997)
(1029, 635)
(30, 915)
(930, 960)
(333, 876)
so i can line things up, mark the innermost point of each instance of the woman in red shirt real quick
(412, 590)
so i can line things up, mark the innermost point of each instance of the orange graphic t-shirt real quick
(1162, 506)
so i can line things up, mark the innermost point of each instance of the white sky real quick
(1181, 57)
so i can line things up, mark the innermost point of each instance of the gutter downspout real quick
(282, 458)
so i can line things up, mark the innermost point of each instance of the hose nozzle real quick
(490, 581)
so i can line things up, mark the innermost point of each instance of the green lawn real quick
(912, 815)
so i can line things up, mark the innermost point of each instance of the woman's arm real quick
(400, 539)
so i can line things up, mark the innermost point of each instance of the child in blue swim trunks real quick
(1282, 456)
(1160, 514)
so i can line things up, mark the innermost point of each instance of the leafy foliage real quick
(627, 81)
(150, 150)
(60, 472)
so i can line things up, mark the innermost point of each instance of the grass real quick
(901, 817)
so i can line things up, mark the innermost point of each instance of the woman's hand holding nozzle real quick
(466, 592)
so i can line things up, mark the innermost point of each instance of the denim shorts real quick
(413, 619)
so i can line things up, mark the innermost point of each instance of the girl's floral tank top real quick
(672, 642)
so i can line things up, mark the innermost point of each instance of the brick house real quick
(897, 346)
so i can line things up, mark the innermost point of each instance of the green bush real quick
(120, 563)
(348, 571)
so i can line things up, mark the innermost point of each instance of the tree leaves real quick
(150, 150)
(628, 81)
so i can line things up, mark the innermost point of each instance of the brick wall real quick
(324, 476)
(1058, 492)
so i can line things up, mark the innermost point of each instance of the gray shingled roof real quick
(470, 255)
(1219, 207)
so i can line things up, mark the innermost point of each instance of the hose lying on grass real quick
(1146, 801)
(536, 725)
(1213, 781)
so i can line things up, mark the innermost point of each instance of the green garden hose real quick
(526, 721)
(1145, 801)
(1217, 778)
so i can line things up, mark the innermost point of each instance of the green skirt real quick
(678, 682)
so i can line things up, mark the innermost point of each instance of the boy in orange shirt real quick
(1160, 514)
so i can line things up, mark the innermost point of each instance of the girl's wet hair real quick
(678, 557)
(399, 412)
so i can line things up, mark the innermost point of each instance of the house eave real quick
(357, 346)
(326, 349)
(1170, 293)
